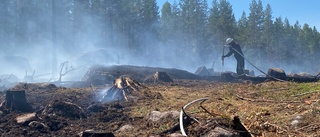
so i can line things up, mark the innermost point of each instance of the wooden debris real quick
(25, 118)
(121, 88)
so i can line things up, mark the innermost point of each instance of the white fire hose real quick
(182, 112)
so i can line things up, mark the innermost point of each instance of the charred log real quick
(91, 133)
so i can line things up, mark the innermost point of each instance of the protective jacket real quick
(236, 50)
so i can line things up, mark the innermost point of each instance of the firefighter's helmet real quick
(229, 40)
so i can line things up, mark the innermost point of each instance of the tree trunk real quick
(16, 100)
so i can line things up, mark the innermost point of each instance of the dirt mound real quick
(99, 75)
(35, 86)
(64, 109)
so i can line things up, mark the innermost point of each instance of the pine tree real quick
(193, 20)
(255, 21)
(213, 30)
(279, 41)
(254, 31)
(222, 21)
(290, 44)
(267, 40)
(226, 20)
(242, 36)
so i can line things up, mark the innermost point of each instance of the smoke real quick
(105, 95)
(87, 43)
(90, 44)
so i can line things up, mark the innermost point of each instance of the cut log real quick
(16, 100)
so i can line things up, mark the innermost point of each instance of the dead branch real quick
(29, 78)
(42, 74)
(201, 106)
(271, 90)
(1, 79)
(34, 71)
(311, 125)
(270, 101)
(65, 68)
(311, 92)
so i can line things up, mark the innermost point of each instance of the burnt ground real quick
(266, 109)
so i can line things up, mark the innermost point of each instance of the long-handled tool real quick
(222, 56)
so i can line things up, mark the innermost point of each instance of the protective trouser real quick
(240, 66)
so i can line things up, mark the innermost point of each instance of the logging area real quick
(145, 101)
(122, 68)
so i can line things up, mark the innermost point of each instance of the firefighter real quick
(235, 49)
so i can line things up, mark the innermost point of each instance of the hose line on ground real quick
(256, 66)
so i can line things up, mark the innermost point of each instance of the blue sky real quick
(305, 11)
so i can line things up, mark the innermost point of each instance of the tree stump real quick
(16, 100)
(121, 88)
(202, 71)
(162, 76)
(277, 73)
(227, 76)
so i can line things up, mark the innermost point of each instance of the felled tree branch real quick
(65, 68)
(263, 100)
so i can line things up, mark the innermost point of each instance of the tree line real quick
(185, 29)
